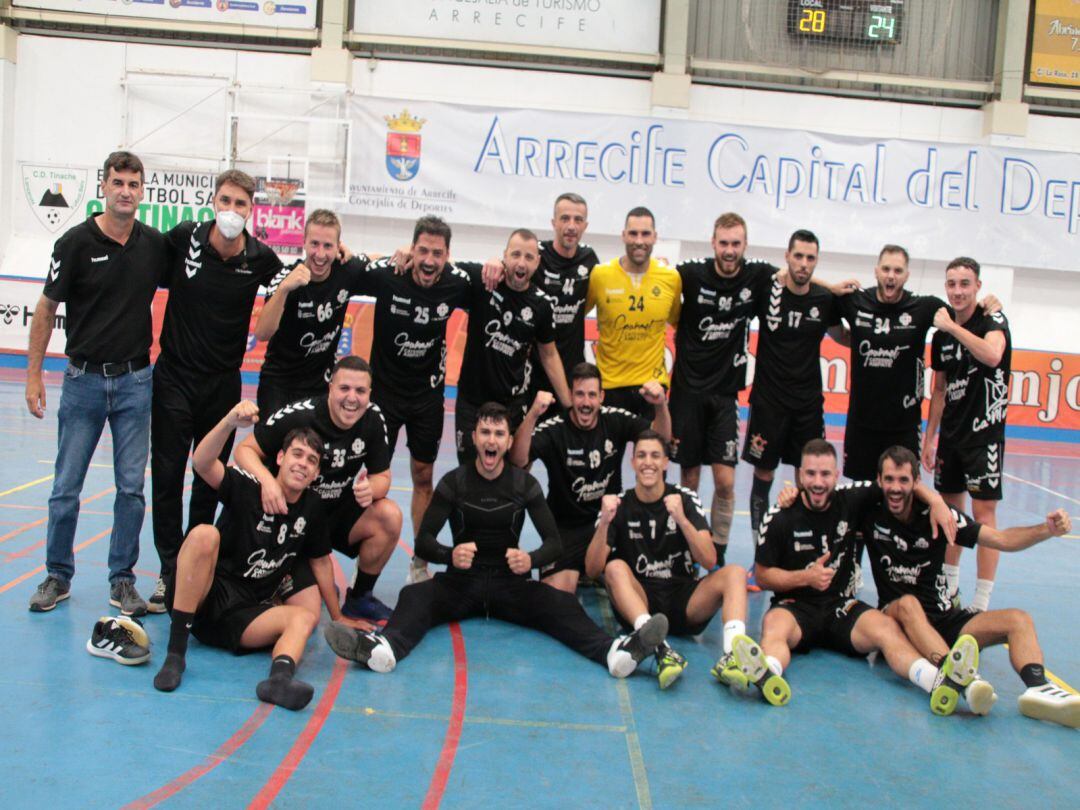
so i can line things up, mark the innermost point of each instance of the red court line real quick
(224, 751)
(40, 568)
(457, 719)
(32, 524)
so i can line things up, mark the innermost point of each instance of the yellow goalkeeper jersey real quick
(632, 319)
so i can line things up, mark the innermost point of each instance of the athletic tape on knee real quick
(722, 511)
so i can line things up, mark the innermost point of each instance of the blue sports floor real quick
(488, 714)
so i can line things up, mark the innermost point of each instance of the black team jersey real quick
(888, 346)
(787, 372)
(647, 538)
(905, 558)
(712, 344)
(208, 317)
(259, 549)
(408, 346)
(504, 325)
(583, 465)
(976, 396)
(491, 514)
(107, 289)
(792, 539)
(566, 283)
(345, 452)
(303, 349)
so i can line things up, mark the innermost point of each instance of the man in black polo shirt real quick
(213, 279)
(303, 316)
(487, 573)
(106, 270)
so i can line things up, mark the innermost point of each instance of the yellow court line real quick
(483, 721)
(27, 485)
(102, 466)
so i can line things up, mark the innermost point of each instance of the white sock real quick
(619, 662)
(774, 665)
(952, 577)
(640, 620)
(983, 589)
(732, 629)
(923, 674)
(382, 657)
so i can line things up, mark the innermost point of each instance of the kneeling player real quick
(646, 547)
(807, 555)
(485, 501)
(227, 576)
(909, 573)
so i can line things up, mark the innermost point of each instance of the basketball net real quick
(280, 192)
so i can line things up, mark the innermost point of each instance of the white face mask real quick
(230, 223)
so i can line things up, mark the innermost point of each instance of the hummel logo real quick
(192, 263)
(54, 270)
(96, 259)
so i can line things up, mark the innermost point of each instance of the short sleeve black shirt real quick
(905, 558)
(888, 347)
(303, 348)
(107, 289)
(208, 319)
(566, 282)
(647, 538)
(583, 465)
(260, 549)
(712, 344)
(976, 395)
(345, 452)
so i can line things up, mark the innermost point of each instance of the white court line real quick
(1040, 486)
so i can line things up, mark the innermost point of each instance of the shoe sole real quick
(127, 662)
(751, 660)
(669, 675)
(137, 631)
(1066, 714)
(345, 642)
(37, 608)
(981, 697)
(961, 666)
(733, 678)
(155, 607)
(133, 612)
(943, 700)
(650, 635)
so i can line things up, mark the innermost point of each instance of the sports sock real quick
(287, 692)
(774, 665)
(721, 553)
(640, 620)
(1033, 675)
(923, 674)
(168, 677)
(179, 631)
(282, 667)
(722, 510)
(952, 577)
(731, 629)
(983, 589)
(759, 502)
(363, 582)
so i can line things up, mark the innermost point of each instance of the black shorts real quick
(975, 470)
(630, 399)
(274, 394)
(826, 624)
(300, 578)
(341, 517)
(225, 613)
(863, 447)
(705, 428)
(422, 419)
(951, 623)
(671, 597)
(775, 435)
(575, 542)
(465, 421)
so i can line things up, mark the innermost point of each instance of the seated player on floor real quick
(487, 573)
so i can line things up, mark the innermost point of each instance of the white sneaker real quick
(418, 572)
(1049, 702)
(980, 696)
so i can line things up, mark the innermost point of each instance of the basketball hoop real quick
(280, 192)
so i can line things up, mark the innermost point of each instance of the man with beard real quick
(907, 563)
(216, 272)
(786, 402)
(582, 452)
(504, 326)
(647, 545)
(636, 297)
(808, 556)
(485, 501)
(971, 357)
(353, 484)
(304, 314)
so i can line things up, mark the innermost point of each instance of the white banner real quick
(597, 25)
(18, 298)
(1009, 207)
(294, 14)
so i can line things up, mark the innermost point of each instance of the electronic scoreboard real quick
(862, 22)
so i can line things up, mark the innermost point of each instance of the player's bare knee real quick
(733, 576)
(422, 476)
(617, 571)
(203, 540)
(388, 514)
(906, 609)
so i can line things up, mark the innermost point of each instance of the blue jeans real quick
(87, 401)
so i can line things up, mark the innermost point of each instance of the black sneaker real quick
(643, 642)
(122, 594)
(359, 646)
(48, 593)
(122, 639)
(156, 602)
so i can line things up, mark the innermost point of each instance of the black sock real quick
(1033, 675)
(179, 631)
(721, 552)
(168, 677)
(759, 501)
(289, 693)
(364, 583)
(282, 666)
